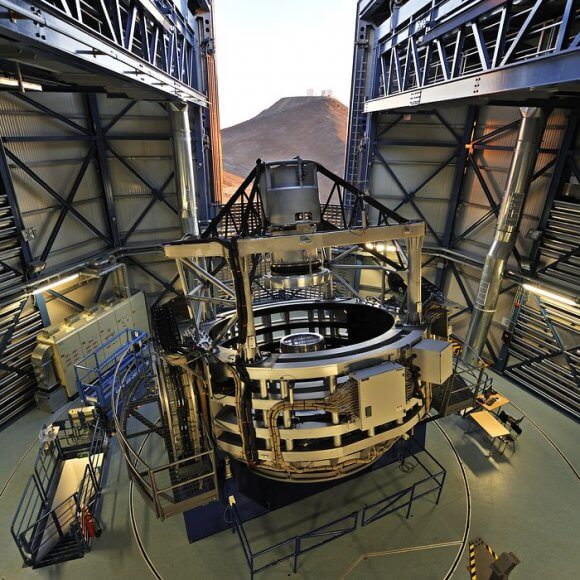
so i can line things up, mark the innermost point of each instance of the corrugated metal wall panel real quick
(57, 162)
(415, 151)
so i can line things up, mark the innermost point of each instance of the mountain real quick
(313, 127)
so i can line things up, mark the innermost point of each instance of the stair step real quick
(66, 549)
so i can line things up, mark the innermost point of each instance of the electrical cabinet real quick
(60, 347)
(435, 359)
(381, 394)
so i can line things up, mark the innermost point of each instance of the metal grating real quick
(560, 248)
(19, 322)
(544, 350)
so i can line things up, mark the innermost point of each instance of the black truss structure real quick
(243, 215)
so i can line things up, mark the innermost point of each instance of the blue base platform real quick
(256, 495)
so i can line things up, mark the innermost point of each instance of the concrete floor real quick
(525, 502)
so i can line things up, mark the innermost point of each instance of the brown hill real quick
(312, 127)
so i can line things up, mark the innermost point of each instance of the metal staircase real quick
(544, 354)
(47, 529)
(542, 350)
(184, 475)
(461, 389)
(560, 247)
(20, 322)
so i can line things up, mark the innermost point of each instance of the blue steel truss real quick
(156, 44)
(427, 52)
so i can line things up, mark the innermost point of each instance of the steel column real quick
(455, 195)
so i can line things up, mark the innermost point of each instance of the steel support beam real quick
(71, 41)
(521, 76)
(64, 210)
(456, 188)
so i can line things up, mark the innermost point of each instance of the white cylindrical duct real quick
(508, 221)
(184, 167)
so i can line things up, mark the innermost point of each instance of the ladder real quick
(357, 130)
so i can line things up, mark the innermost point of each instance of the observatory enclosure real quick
(212, 376)
(436, 112)
(91, 184)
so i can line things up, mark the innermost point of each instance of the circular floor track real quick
(462, 543)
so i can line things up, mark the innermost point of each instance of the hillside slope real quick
(312, 127)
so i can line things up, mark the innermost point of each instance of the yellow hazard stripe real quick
(472, 568)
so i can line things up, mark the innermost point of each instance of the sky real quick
(269, 49)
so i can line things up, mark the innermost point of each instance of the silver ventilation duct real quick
(508, 221)
(184, 167)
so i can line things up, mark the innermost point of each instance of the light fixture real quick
(547, 294)
(369, 246)
(380, 247)
(28, 86)
(56, 283)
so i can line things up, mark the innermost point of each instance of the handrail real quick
(35, 522)
(298, 542)
(146, 476)
(96, 371)
(31, 538)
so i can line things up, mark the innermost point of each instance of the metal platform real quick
(139, 49)
(429, 52)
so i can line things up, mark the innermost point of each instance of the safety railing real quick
(433, 483)
(125, 353)
(515, 33)
(295, 546)
(464, 385)
(475, 376)
(168, 488)
(37, 526)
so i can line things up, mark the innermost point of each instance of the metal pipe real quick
(510, 212)
(184, 167)
(251, 345)
(414, 248)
